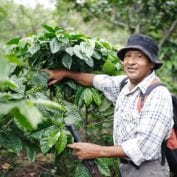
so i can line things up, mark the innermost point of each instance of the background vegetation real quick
(31, 47)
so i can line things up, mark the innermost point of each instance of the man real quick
(137, 135)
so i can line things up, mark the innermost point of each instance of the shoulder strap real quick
(147, 92)
(123, 83)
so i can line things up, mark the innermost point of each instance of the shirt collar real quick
(143, 85)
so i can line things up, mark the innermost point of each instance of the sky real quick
(32, 3)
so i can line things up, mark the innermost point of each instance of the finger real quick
(73, 146)
(52, 82)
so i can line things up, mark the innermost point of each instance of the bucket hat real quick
(145, 44)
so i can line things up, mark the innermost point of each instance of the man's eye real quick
(127, 55)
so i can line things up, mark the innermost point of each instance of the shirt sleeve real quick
(109, 85)
(155, 124)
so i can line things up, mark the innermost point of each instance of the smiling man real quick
(138, 135)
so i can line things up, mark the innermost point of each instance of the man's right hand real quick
(55, 76)
(85, 79)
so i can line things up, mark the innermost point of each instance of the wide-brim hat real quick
(145, 44)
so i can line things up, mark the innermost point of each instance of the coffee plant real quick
(33, 116)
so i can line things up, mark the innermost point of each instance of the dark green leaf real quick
(87, 96)
(82, 171)
(30, 152)
(96, 97)
(104, 169)
(11, 142)
(67, 61)
(79, 97)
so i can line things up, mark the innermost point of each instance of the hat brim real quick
(154, 59)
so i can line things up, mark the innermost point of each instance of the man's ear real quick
(152, 66)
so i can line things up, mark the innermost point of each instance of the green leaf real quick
(34, 48)
(78, 97)
(10, 84)
(82, 171)
(107, 45)
(78, 52)
(70, 50)
(11, 142)
(104, 169)
(61, 143)
(13, 41)
(40, 78)
(30, 152)
(87, 96)
(96, 96)
(27, 115)
(72, 114)
(37, 135)
(84, 51)
(109, 68)
(71, 84)
(89, 62)
(55, 45)
(48, 28)
(49, 138)
(96, 55)
(4, 70)
(14, 59)
(67, 61)
(104, 105)
(49, 104)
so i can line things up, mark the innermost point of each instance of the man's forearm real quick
(85, 79)
(112, 151)
(91, 151)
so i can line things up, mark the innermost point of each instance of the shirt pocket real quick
(130, 121)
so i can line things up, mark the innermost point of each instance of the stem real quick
(104, 120)
(6, 126)
(86, 122)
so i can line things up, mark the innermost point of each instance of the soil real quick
(21, 167)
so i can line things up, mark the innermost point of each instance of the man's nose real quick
(131, 60)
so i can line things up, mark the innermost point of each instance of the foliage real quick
(154, 18)
(33, 114)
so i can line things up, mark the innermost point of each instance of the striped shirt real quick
(139, 133)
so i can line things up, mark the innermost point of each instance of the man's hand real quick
(55, 76)
(85, 79)
(86, 150)
(90, 151)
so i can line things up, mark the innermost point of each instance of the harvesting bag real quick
(171, 148)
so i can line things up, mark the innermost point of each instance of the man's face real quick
(137, 65)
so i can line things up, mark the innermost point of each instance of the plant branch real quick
(168, 33)
(104, 120)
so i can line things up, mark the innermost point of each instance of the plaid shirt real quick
(139, 133)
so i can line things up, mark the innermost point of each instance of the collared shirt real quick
(139, 133)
